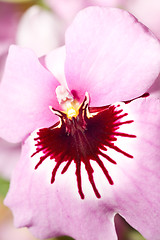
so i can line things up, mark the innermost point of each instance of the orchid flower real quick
(90, 132)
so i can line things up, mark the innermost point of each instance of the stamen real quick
(63, 94)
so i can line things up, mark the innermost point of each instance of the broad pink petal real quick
(116, 57)
(57, 209)
(9, 156)
(26, 92)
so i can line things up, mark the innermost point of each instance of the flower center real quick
(83, 135)
(72, 111)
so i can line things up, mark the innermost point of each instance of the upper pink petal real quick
(26, 92)
(111, 55)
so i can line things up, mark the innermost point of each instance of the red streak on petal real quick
(82, 140)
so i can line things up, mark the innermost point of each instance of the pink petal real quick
(27, 90)
(55, 210)
(110, 61)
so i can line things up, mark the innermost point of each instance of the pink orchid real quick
(82, 163)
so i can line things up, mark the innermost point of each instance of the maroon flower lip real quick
(82, 139)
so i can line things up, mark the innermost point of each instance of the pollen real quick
(72, 109)
(72, 112)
